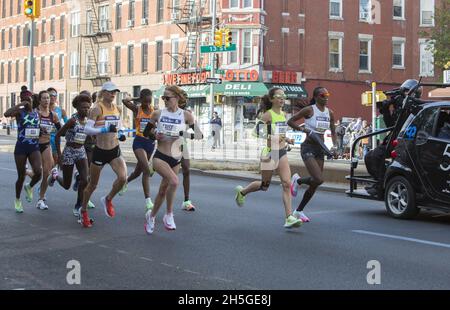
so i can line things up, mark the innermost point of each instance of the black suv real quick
(417, 160)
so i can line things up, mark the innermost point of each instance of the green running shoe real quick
(240, 199)
(124, 189)
(18, 206)
(90, 205)
(148, 204)
(28, 192)
(152, 171)
(292, 221)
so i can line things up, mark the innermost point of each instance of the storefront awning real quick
(440, 93)
(292, 91)
(193, 91)
(243, 89)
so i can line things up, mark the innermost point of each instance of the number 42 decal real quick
(446, 153)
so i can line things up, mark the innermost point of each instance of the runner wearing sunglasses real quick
(318, 118)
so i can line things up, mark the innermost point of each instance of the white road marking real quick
(104, 246)
(168, 265)
(145, 258)
(7, 169)
(439, 244)
(121, 252)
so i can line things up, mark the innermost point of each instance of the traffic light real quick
(218, 38)
(228, 37)
(32, 8)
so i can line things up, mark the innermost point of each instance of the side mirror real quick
(421, 138)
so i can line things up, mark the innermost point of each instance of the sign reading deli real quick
(186, 78)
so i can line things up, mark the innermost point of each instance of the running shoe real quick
(148, 204)
(294, 185)
(28, 192)
(240, 199)
(76, 210)
(53, 176)
(77, 181)
(152, 171)
(108, 206)
(41, 205)
(85, 220)
(18, 206)
(169, 222)
(187, 206)
(291, 221)
(124, 189)
(90, 205)
(301, 215)
(149, 222)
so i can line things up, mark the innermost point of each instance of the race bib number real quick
(323, 126)
(281, 128)
(142, 125)
(170, 130)
(80, 138)
(32, 133)
(48, 128)
(111, 122)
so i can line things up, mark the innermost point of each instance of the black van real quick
(417, 160)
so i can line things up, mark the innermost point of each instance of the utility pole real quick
(374, 114)
(213, 57)
(31, 56)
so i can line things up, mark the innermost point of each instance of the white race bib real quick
(48, 128)
(281, 128)
(111, 122)
(79, 138)
(170, 130)
(322, 126)
(142, 126)
(32, 133)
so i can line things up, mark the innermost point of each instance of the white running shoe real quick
(149, 222)
(53, 176)
(41, 205)
(169, 222)
(301, 215)
(294, 185)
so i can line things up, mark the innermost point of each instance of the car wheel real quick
(400, 198)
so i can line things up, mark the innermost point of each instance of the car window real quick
(443, 124)
(425, 121)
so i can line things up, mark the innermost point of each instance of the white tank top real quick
(171, 123)
(319, 122)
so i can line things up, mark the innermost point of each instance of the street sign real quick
(214, 80)
(446, 76)
(215, 49)
(220, 71)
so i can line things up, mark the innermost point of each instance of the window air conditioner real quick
(175, 15)
(130, 23)
(144, 21)
(52, 38)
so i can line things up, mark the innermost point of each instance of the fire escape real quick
(194, 21)
(95, 34)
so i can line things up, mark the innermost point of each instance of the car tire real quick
(400, 198)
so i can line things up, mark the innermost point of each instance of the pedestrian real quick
(74, 153)
(27, 147)
(170, 122)
(318, 119)
(143, 147)
(103, 121)
(274, 155)
(340, 133)
(49, 124)
(216, 127)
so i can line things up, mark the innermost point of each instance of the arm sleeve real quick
(91, 130)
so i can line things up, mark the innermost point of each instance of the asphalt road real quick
(219, 246)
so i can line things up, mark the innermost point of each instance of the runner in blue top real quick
(27, 147)
(62, 116)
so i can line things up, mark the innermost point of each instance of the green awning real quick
(241, 89)
(292, 91)
(193, 91)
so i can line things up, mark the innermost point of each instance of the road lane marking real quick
(7, 169)
(121, 251)
(147, 259)
(439, 244)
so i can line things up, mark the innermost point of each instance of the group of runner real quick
(92, 140)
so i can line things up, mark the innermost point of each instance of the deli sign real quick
(186, 78)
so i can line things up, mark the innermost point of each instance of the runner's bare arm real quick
(304, 113)
(62, 132)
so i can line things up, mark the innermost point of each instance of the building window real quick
(89, 23)
(103, 61)
(130, 59)
(3, 9)
(118, 15)
(234, 4)
(17, 71)
(426, 58)
(144, 57)
(117, 60)
(52, 29)
(43, 31)
(233, 56)
(61, 67)
(246, 47)
(25, 70)
(103, 12)
(144, 8)
(159, 11)
(18, 36)
(11, 5)
(9, 72)
(427, 13)
(3, 39)
(159, 55)
(335, 53)
(42, 77)
(19, 7)
(26, 36)
(247, 3)
(365, 7)
(75, 24)
(131, 10)
(365, 55)
(398, 9)
(398, 54)
(10, 38)
(62, 26)
(336, 9)
(52, 67)
(74, 66)
(2, 73)
(175, 55)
